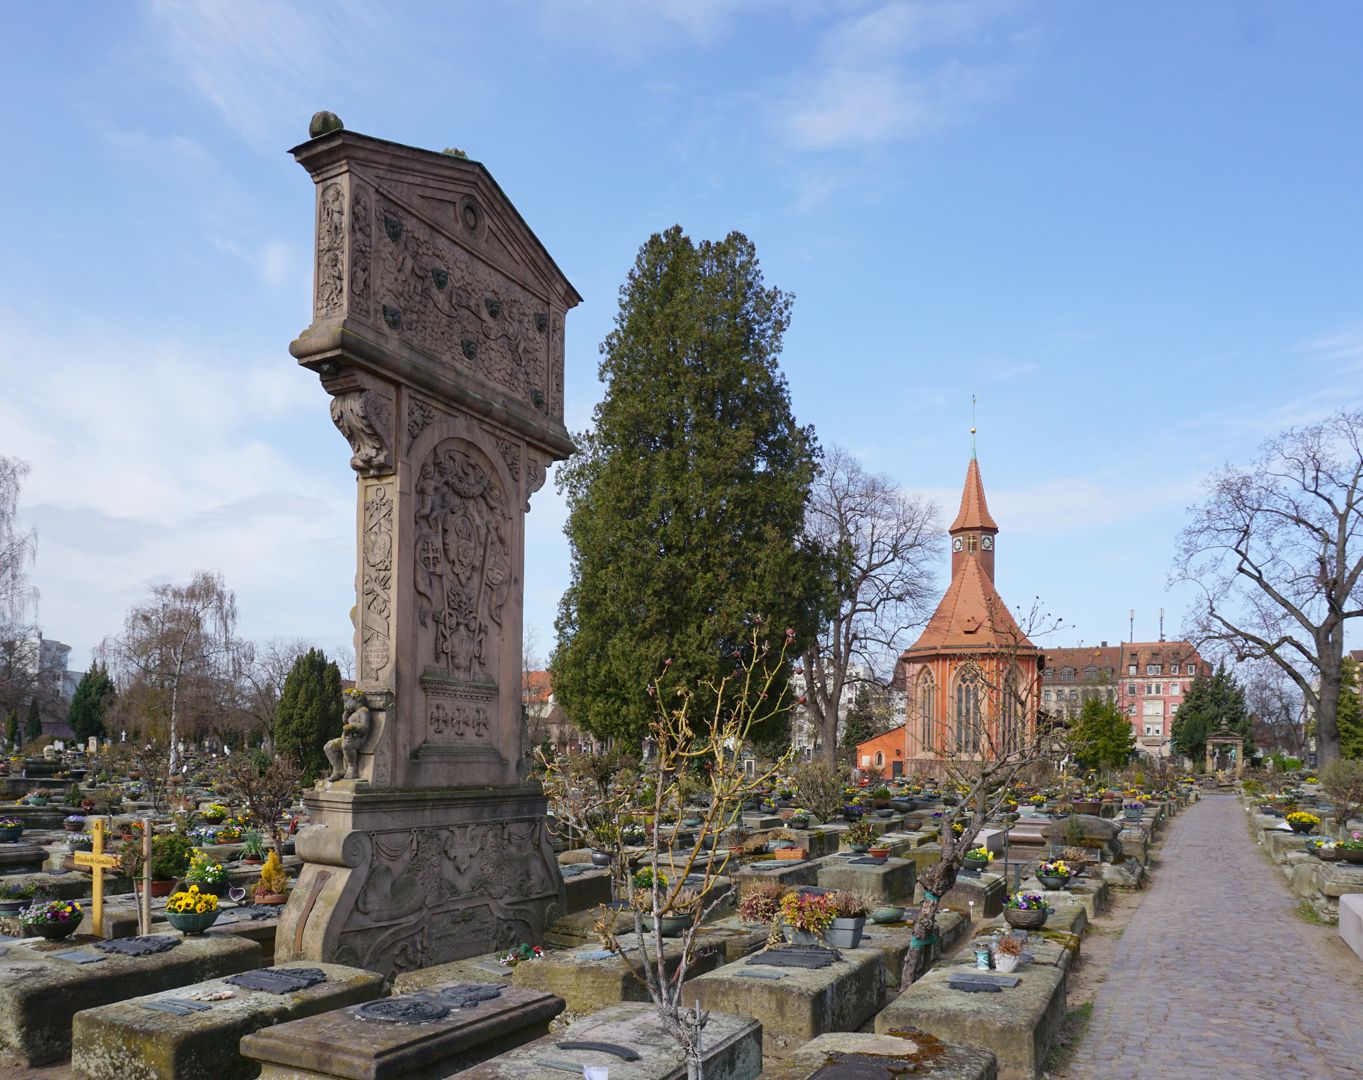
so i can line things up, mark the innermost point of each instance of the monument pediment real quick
(427, 275)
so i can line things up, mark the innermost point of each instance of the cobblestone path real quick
(1216, 977)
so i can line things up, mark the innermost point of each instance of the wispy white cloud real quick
(1343, 345)
(632, 29)
(901, 70)
(260, 63)
(153, 458)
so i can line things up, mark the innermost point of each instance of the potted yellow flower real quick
(192, 911)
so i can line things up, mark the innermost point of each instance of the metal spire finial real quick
(972, 427)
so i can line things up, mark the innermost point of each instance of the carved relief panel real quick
(435, 295)
(376, 580)
(330, 277)
(463, 568)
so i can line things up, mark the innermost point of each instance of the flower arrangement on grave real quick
(81, 841)
(1054, 873)
(1301, 821)
(810, 912)
(39, 796)
(1007, 953)
(980, 855)
(847, 904)
(214, 813)
(1038, 799)
(521, 954)
(192, 901)
(52, 919)
(860, 834)
(204, 871)
(1354, 843)
(643, 879)
(273, 886)
(760, 901)
(74, 823)
(1025, 901)
(252, 846)
(10, 829)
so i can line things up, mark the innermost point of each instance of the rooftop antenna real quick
(1131, 633)
(1161, 624)
(972, 427)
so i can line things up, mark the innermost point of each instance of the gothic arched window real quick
(927, 709)
(968, 728)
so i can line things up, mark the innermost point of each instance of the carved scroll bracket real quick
(362, 410)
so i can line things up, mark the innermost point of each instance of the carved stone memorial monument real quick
(437, 330)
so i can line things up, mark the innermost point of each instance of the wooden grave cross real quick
(98, 862)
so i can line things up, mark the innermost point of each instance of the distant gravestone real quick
(437, 331)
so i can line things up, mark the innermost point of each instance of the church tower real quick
(971, 676)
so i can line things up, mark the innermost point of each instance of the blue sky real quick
(1133, 230)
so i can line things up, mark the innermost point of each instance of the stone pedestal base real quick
(398, 880)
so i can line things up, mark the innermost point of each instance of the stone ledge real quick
(907, 1054)
(731, 1049)
(39, 994)
(337, 1045)
(123, 1040)
(801, 1003)
(1018, 1025)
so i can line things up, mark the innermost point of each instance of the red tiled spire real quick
(974, 512)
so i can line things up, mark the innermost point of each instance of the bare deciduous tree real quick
(1276, 553)
(1276, 707)
(878, 541)
(176, 653)
(21, 675)
(263, 669)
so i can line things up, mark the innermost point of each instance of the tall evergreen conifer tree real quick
(33, 726)
(309, 714)
(12, 728)
(686, 501)
(1102, 738)
(94, 694)
(1349, 715)
(1211, 702)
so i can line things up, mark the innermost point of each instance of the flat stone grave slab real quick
(128, 1040)
(891, 881)
(924, 856)
(795, 1004)
(818, 842)
(1017, 1024)
(22, 858)
(906, 1055)
(438, 1038)
(731, 1049)
(804, 872)
(991, 840)
(586, 888)
(988, 891)
(39, 993)
(1092, 894)
(761, 822)
(589, 977)
(739, 939)
(891, 940)
(1047, 948)
(475, 969)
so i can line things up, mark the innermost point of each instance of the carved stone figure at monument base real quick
(344, 751)
(438, 333)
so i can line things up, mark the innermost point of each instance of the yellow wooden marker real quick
(98, 862)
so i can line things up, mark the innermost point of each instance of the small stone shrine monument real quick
(438, 332)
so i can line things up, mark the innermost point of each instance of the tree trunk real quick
(1327, 711)
(937, 882)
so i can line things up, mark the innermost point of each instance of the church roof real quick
(972, 616)
(974, 512)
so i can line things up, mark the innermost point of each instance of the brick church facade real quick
(971, 678)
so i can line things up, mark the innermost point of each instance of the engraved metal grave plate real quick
(468, 995)
(797, 956)
(416, 1009)
(858, 1068)
(624, 1053)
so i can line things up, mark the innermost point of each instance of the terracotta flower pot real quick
(270, 899)
(879, 852)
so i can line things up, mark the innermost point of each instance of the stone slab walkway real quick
(1216, 977)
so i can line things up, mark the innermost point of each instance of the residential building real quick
(1153, 679)
(1073, 676)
